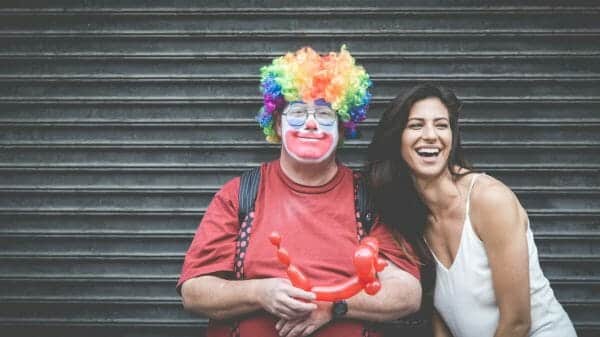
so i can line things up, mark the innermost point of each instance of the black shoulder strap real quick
(363, 202)
(249, 182)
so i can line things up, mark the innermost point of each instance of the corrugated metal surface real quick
(119, 121)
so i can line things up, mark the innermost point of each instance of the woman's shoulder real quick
(494, 205)
(489, 192)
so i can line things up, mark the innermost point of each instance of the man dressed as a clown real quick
(231, 273)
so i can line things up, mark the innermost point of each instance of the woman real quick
(488, 278)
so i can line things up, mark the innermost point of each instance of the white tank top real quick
(464, 293)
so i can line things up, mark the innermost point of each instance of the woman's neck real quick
(441, 194)
(308, 174)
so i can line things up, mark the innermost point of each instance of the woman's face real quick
(427, 138)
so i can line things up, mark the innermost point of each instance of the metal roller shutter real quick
(120, 119)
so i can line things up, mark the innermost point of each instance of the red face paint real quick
(309, 145)
(310, 142)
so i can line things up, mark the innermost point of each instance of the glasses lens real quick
(325, 117)
(297, 115)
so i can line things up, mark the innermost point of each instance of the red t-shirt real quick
(318, 228)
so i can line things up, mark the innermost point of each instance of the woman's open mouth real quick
(428, 152)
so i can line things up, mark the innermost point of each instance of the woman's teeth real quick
(428, 152)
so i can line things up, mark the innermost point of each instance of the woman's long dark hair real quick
(395, 197)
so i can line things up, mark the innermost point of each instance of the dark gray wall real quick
(118, 122)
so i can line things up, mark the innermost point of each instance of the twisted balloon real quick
(366, 262)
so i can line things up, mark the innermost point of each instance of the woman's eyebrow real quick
(422, 119)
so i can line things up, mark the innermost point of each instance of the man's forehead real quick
(317, 102)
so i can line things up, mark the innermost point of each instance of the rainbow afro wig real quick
(308, 76)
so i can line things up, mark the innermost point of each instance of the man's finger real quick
(309, 330)
(285, 328)
(301, 294)
(279, 324)
(300, 307)
(297, 330)
(285, 313)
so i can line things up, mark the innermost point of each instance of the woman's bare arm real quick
(500, 222)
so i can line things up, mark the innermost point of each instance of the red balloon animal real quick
(366, 262)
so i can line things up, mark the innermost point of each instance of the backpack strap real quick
(364, 222)
(363, 205)
(249, 182)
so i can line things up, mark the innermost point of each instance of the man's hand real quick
(279, 297)
(307, 325)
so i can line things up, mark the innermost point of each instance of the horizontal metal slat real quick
(365, 8)
(87, 289)
(132, 289)
(194, 111)
(118, 244)
(99, 311)
(217, 8)
(57, 329)
(217, 65)
(108, 223)
(97, 266)
(80, 221)
(140, 177)
(200, 132)
(62, 329)
(196, 88)
(157, 267)
(227, 155)
(106, 199)
(133, 312)
(182, 199)
(238, 99)
(380, 21)
(405, 44)
(274, 6)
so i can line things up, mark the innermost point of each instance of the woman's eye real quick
(415, 126)
(442, 126)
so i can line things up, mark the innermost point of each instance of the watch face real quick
(340, 308)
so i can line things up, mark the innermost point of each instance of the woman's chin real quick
(429, 172)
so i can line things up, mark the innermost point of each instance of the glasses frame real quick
(314, 113)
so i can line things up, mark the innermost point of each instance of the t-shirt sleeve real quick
(213, 247)
(391, 250)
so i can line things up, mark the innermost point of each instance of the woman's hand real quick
(279, 297)
(307, 325)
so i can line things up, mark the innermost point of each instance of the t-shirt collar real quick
(337, 178)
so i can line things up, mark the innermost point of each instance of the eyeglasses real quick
(298, 114)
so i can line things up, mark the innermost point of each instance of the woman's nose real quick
(429, 132)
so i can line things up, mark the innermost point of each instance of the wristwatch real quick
(339, 309)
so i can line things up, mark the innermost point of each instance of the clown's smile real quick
(315, 146)
(306, 139)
